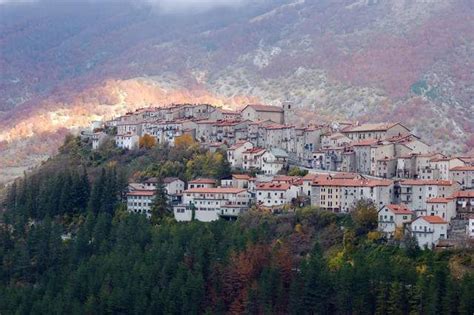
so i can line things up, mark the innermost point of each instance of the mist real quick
(164, 6)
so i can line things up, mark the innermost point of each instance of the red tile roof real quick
(463, 168)
(463, 194)
(423, 182)
(265, 108)
(353, 182)
(433, 219)
(439, 200)
(371, 127)
(273, 186)
(255, 150)
(241, 176)
(217, 190)
(202, 181)
(141, 193)
(365, 142)
(399, 209)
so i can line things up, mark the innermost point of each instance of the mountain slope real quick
(365, 59)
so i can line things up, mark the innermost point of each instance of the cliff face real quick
(67, 64)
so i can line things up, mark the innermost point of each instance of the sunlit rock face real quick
(64, 64)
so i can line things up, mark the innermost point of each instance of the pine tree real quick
(160, 205)
(97, 193)
(395, 299)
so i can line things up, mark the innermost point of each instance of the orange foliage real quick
(147, 142)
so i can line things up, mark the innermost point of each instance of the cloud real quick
(192, 5)
(166, 6)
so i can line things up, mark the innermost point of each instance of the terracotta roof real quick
(443, 159)
(238, 144)
(202, 181)
(241, 176)
(439, 200)
(285, 178)
(255, 150)
(423, 182)
(463, 168)
(371, 127)
(433, 219)
(217, 190)
(365, 142)
(265, 108)
(276, 127)
(141, 193)
(273, 186)
(463, 194)
(345, 175)
(399, 209)
(353, 182)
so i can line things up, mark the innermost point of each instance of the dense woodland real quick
(67, 245)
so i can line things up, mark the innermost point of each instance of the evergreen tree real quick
(160, 205)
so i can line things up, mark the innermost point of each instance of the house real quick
(464, 201)
(428, 230)
(140, 201)
(444, 208)
(235, 153)
(277, 136)
(331, 140)
(127, 141)
(210, 204)
(375, 131)
(98, 138)
(415, 192)
(275, 194)
(202, 183)
(274, 161)
(443, 165)
(263, 112)
(241, 181)
(341, 194)
(392, 217)
(464, 175)
(252, 158)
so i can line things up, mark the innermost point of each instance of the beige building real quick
(429, 230)
(263, 112)
(464, 175)
(416, 192)
(444, 208)
(392, 217)
(377, 131)
(235, 153)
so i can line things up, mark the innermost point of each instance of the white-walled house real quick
(235, 153)
(98, 138)
(140, 201)
(209, 204)
(127, 141)
(428, 230)
(392, 216)
(274, 161)
(252, 159)
(275, 194)
(415, 192)
(202, 183)
(464, 175)
(444, 208)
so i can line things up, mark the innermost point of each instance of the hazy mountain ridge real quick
(377, 60)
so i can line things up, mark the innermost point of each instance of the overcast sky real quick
(163, 5)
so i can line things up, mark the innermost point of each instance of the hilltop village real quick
(416, 190)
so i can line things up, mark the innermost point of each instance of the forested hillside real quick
(65, 63)
(67, 245)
